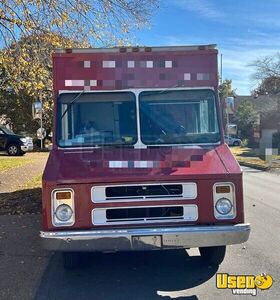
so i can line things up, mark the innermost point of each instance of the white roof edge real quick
(141, 49)
(139, 89)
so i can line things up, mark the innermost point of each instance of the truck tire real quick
(236, 143)
(14, 150)
(71, 260)
(213, 255)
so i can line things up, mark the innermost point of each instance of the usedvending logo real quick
(243, 284)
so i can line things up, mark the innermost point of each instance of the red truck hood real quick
(135, 165)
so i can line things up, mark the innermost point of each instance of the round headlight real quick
(223, 206)
(63, 212)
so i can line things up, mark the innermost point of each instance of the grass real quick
(7, 162)
(243, 151)
(249, 157)
(27, 199)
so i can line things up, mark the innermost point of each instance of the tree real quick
(226, 90)
(246, 119)
(98, 22)
(267, 67)
(267, 72)
(26, 76)
(30, 30)
(268, 86)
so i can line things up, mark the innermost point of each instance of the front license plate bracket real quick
(147, 242)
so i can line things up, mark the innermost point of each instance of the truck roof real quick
(135, 67)
(137, 49)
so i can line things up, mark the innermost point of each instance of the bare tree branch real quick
(98, 22)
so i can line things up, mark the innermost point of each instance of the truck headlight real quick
(224, 200)
(223, 206)
(63, 213)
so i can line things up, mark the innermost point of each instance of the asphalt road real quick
(28, 272)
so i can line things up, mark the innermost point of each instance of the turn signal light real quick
(222, 189)
(63, 195)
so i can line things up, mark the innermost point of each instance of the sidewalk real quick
(12, 179)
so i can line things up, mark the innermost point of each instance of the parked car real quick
(232, 141)
(13, 143)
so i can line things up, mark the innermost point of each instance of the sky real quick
(244, 30)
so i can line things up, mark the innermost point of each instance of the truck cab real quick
(139, 160)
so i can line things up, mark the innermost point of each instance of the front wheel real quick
(213, 255)
(14, 150)
(236, 143)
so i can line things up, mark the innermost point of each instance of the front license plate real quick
(147, 242)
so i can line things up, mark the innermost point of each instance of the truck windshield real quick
(97, 119)
(178, 117)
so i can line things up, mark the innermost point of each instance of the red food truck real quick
(139, 160)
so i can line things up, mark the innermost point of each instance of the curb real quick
(254, 166)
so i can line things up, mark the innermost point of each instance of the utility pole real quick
(41, 123)
(41, 118)
(221, 68)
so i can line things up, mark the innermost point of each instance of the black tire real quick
(14, 150)
(71, 260)
(236, 143)
(213, 255)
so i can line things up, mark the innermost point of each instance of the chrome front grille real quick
(144, 215)
(148, 192)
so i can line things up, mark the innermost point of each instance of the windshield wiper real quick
(117, 145)
(71, 103)
(109, 145)
(169, 88)
(149, 93)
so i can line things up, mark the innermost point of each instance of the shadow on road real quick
(138, 275)
(21, 202)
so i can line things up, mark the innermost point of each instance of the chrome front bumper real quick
(145, 238)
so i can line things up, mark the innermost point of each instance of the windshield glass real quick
(97, 119)
(178, 117)
(7, 131)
